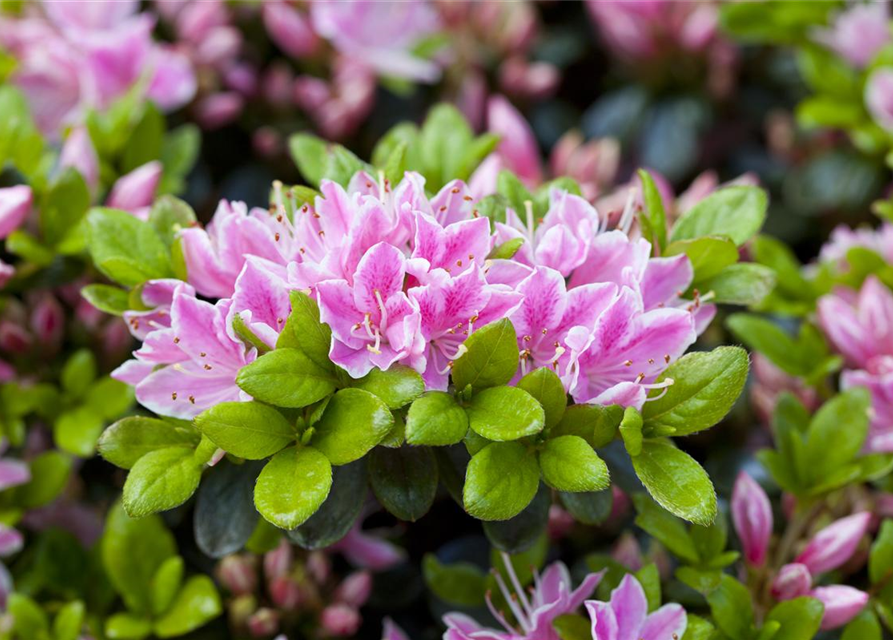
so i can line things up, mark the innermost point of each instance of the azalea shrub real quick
(482, 321)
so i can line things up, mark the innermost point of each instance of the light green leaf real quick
(732, 609)
(166, 584)
(505, 413)
(436, 419)
(310, 154)
(286, 378)
(492, 358)
(708, 255)
(292, 486)
(546, 387)
(398, 386)
(305, 332)
(125, 248)
(129, 439)
(161, 480)
(676, 481)
(594, 423)
(246, 429)
(568, 463)
(837, 432)
(353, 422)
(799, 619)
(127, 626)
(69, 621)
(880, 561)
(500, 481)
(77, 431)
(737, 212)
(106, 298)
(197, 604)
(744, 284)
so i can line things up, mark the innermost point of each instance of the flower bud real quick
(833, 545)
(13, 338)
(354, 590)
(289, 29)
(135, 191)
(7, 271)
(264, 622)
(792, 581)
(842, 604)
(47, 320)
(78, 152)
(318, 566)
(752, 518)
(285, 593)
(237, 574)
(240, 609)
(219, 109)
(340, 620)
(278, 561)
(628, 552)
(518, 146)
(10, 541)
(15, 203)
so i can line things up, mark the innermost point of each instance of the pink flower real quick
(135, 191)
(374, 323)
(878, 379)
(173, 80)
(752, 517)
(517, 147)
(89, 15)
(617, 360)
(367, 551)
(879, 97)
(860, 327)
(553, 595)
(844, 238)
(858, 33)
(158, 295)
(379, 36)
(237, 574)
(340, 620)
(842, 604)
(15, 204)
(79, 152)
(792, 581)
(626, 616)
(289, 29)
(390, 631)
(833, 545)
(201, 361)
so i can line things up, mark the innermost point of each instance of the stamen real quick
(512, 602)
(510, 569)
(626, 219)
(528, 205)
(498, 614)
(384, 312)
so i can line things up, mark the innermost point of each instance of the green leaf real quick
(698, 629)
(28, 619)
(546, 387)
(339, 512)
(459, 583)
(865, 626)
(594, 423)
(161, 480)
(588, 507)
(837, 432)
(246, 429)
(107, 298)
(444, 140)
(631, 431)
(166, 584)
(292, 486)
(657, 216)
(568, 463)
(732, 609)
(79, 371)
(168, 216)
(225, 517)
(798, 358)
(505, 413)
(799, 619)
(676, 481)
(127, 626)
(179, 151)
(353, 422)
(132, 552)
(436, 419)
(20, 142)
(736, 212)
(744, 284)
(572, 626)
(510, 187)
(286, 378)
(129, 439)
(305, 332)
(69, 621)
(649, 578)
(506, 250)
(664, 527)
(708, 255)
(125, 248)
(398, 386)
(342, 164)
(523, 533)
(63, 206)
(705, 387)
(77, 431)
(880, 561)
(144, 143)
(404, 480)
(778, 256)
(395, 166)
(197, 604)
(501, 480)
(492, 358)
(310, 154)
(49, 475)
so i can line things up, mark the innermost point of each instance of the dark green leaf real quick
(404, 480)
(224, 515)
(338, 513)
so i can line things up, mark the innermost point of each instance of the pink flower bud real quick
(289, 29)
(340, 620)
(78, 152)
(220, 47)
(219, 109)
(318, 566)
(14, 338)
(628, 552)
(135, 191)
(355, 589)
(15, 203)
(560, 522)
(278, 561)
(263, 622)
(390, 631)
(196, 19)
(237, 574)
(7, 271)
(535, 80)
(842, 604)
(792, 581)
(833, 545)
(47, 320)
(517, 146)
(285, 593)
(752, 517)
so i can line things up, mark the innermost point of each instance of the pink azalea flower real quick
(78, 152)
(626, 616)
(201, 358)
(835, 544)
(844, 238)
(617, 360)
(858, 33)
(289, 28)
(860, 327)
(367, 551)
(378, 35)
(752, 517)
(374, 323)
(261, 300)
(15, 204)
(158, 295)
(553, 595)
(135, 191)
(517, 147)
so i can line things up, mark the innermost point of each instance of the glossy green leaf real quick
(129, 439)
(436, 419)
(708, 255)
(500, 481)
(353, 422)
(398, 386)
(546, 387)
(125, 248)
(505, 413)
(161, 480)
(744, 284)
(166, 584)
(492, 358)
(596, 424)
(568, 463)
(676, 481)
(732, 609)
(736, 212)
(404, 480)
(292, 486)
(286, 378)
(197, 604)
(340, 510)
(246, 429)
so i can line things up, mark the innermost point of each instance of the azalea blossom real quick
(553, 595)
(626, 616)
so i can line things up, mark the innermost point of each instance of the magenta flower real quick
(374, 323)
(378, 35)
(858, 33)
(792, 581)
(78, 152)
(842, 604)
(201, 361)
(15, 204)
(617, 360)
(752, 517)
(835, 544)
(135, 191)
(553, 595)
(626, 616)
(261, 300)
(517, 146)
(289, 29)
(158, 295)
(549, 311)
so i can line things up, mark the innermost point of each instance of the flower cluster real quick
(402, 278)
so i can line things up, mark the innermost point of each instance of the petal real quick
(13, 473)
(200, 331)
(453, 203)
(378, 277)
(604, 621)
(264, 295)
(337, 309)
(185, 390)
(613, 257)
(545, 301)
(11, 541)
(630, 606)
(665, 279)
(835, 544)
(667, 622)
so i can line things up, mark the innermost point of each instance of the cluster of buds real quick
(287, 589)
